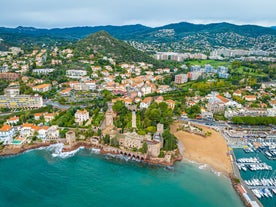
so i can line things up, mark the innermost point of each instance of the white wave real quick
(55, 147)
(95, 151)
(136, 159)
(57, 151)
(216, 172)
(204, 166)
(122, 157)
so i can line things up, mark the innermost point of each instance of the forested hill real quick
(104, 44)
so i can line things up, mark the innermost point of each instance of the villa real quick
(6, 134)
(81, 116)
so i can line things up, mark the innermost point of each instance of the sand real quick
(211, 150)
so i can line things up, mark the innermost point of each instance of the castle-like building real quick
(132, 140)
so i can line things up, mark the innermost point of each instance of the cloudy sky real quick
(67, 13)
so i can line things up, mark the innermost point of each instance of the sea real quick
(45, 177)
(239, 153)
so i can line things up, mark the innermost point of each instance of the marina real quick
(253, 164)
(269, 150)
(258, 172)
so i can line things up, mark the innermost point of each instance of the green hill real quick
(103, 43)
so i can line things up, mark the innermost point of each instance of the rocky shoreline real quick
(15, 150)
(104, 149)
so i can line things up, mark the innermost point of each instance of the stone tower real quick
(133, 108)
(134, 119)
(160, 128)
(109, 116)
(71, 138)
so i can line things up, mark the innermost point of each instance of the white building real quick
(42, 88)
(43, 71)
(81, 116)
(6, 134)
(76, 74)
(53, 132)
(42, 132)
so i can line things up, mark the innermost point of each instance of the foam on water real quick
(95, 151)
(204, 167)
(57, 151)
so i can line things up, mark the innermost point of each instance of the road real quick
(55, 104)
(206, 122)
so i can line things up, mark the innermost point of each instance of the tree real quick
(118, 79)
(107, 95)
(120, 108)
(151, 129)
(106, 139)
(193, 111)
(114, 142)
(144, 148)
(170, 141)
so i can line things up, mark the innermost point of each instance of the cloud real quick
(65, 13)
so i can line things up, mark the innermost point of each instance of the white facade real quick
(53, 132)
(6, 134)
(43, 71)
(76, 74)
(81, 116)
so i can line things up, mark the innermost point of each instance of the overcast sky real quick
(67, 13)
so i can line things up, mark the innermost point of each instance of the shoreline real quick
(104, 149)
(14, 150)
(207, 167)
(211, 150)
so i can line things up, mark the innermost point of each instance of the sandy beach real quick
(211, 150)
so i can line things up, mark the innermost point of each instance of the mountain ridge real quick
(168, 34)
(135, 28)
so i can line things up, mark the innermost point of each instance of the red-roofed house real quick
(42, 88)
(6, 134)
(13, 120)
(66, 92)
(222, 99)
(37, 116)
(171, 104)
(250, 98)
(159, 99)
(48, 117)
(146, 102)
(42, 132)
(237, 93)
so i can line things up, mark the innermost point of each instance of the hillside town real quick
(52, 95)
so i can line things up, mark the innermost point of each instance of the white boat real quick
(256, 193)
(268, 192)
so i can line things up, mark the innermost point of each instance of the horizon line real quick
(131, 24)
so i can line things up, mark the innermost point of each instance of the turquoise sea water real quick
(239, 153)
(36, 178)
